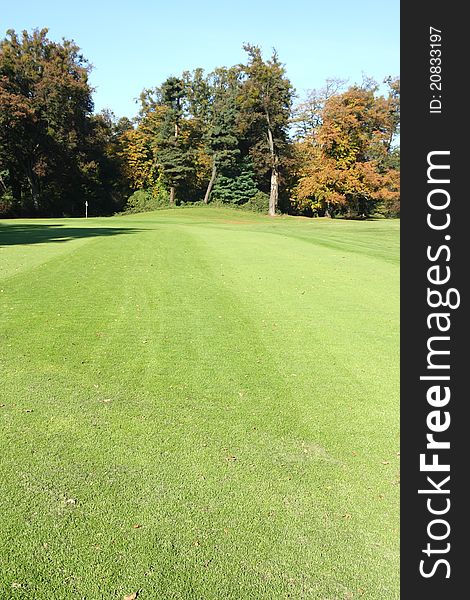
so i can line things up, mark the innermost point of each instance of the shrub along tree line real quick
(232, 136)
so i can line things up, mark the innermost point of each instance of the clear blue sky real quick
(138, 43)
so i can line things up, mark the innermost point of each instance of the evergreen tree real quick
(236, 185)
(221, 139)
(172, 156)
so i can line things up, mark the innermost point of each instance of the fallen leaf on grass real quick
(136, 526)
(131, 596)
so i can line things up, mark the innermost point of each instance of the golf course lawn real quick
(199, 404)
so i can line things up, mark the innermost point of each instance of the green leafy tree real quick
(105, 186)
(167, 145)
(45, 101)
(265, 102)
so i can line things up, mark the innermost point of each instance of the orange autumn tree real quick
(346, 165)
(138, 150)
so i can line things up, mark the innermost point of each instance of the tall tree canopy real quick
(222, 135)
(48, 156)
(266, 101)
(345, 161)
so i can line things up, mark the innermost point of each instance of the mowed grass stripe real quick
(232, 392)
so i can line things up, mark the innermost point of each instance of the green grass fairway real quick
(199, 404)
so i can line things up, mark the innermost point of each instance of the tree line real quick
(234, 136)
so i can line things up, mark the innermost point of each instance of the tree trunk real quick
(16, 190)
(4, 185)
(172, 188)
(274, 193)
(34, 187)
(211, 182)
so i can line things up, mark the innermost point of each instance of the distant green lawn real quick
(199, 404)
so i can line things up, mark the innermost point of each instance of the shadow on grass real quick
(16, 234)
